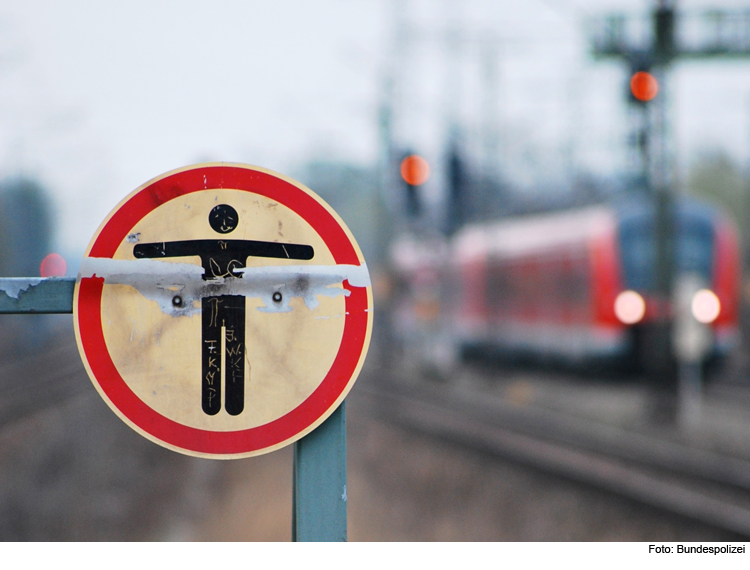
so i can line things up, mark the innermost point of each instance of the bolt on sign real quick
(223, 310)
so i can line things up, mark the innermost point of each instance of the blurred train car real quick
(576, 285)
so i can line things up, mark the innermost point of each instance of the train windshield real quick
(693, 247)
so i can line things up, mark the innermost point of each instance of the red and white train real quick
(576, 285)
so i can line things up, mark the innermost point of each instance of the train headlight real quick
(705, 306)
(630, 307)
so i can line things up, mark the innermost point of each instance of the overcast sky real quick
(96, 98)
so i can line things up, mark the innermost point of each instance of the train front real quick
(706, 259)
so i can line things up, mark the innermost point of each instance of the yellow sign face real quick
(223, 310)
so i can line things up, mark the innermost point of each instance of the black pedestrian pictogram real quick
(222, 315)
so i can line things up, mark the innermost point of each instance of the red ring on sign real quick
(174, 433)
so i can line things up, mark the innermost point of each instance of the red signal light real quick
(53, 266)
(415, 170)
(643, 86)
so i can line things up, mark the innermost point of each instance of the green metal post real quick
(319, 492)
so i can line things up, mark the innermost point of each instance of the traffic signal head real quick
(643, 86)
(414, 170)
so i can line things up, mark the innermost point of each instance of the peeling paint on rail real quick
(164, 282)
(13, 287)
(51, 295)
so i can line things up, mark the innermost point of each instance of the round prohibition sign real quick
(223, 310)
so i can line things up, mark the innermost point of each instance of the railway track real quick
(36, 381)
(72, 470)
(700, 484)
(685, 479)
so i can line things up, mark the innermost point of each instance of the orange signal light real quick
(644, 86)
(415, 170)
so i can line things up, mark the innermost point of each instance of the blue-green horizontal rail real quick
(49, 295)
